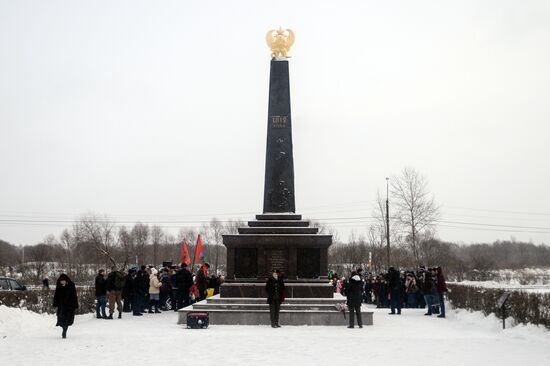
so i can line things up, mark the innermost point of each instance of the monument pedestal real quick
(277, 241)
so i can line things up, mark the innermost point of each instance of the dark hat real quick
(63, 277)
(275, 271)
(207, 264)
(184, 265)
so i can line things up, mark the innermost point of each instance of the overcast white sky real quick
(157, 111)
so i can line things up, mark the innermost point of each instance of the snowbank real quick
(15, 322)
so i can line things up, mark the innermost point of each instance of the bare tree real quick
(376, 244)
(214, 232)
(416, 209)
(99, 232)
(126, 242)
(156, 237)
(140, 235)
(68, 243)
(39, 256)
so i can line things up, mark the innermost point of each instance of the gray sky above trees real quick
(156, 111)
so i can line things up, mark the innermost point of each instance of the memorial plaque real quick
(308, 262)
(276, 259)
(246, 262)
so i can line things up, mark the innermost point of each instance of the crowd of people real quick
(423, 288)
(149, 290)
(137, 290)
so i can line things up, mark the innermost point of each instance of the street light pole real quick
(388, 220)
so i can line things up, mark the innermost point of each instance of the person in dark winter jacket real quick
(165, 288)
(441, 289)
(202, 281)
(115, 284)
(66, 302)
(137, 289)
(128, 292)
(275, 289)
(354, 294)
(394, 283)
(427, 290)
(100, 294)
(184, 282)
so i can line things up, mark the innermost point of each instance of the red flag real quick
(185, 253)
(198, 250)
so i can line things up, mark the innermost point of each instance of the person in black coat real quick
(275, 288)
(66, 302)
(394, 284)
(128, 292)
(184, 282)
(354, 294)
(202, 281)
(140, 289)
(137, 293)
(100, 294)
(427, 290)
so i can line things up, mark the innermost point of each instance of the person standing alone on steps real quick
(66, 302)
(354, 293)
(275, 288)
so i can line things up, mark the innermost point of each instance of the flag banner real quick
(199, 255)
(185, 258)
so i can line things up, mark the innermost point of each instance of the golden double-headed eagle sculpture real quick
(280, 42)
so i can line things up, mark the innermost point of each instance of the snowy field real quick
(507, 286)
(410, 339)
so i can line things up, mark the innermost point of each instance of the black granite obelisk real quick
(278, 239)
(279, 161)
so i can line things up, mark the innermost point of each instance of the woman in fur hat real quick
(66, 302)
(154, 291)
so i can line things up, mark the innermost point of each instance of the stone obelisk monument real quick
(279, 161)
(278, 238)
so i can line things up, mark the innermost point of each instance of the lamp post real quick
(388, 220)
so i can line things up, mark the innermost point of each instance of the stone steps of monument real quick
(278, 230)
(260, 300)
(278, 216)
(255, 311)
(278, 223)
(265, 307)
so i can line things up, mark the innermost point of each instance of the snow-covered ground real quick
(410, 339)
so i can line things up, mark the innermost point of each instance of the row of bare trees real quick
(96, 241)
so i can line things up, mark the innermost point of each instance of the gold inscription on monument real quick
(279, 121)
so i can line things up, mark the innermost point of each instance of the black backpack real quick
(120, 281)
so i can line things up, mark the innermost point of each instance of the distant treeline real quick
(93, 243)
(458, 260)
